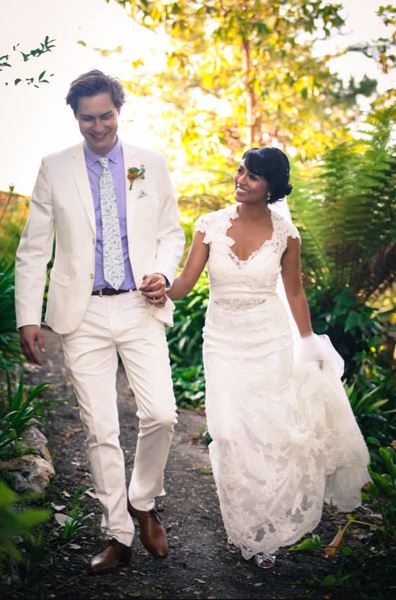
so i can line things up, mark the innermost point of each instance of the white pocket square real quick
(142, 194)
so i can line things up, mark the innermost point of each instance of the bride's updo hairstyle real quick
(273, 165)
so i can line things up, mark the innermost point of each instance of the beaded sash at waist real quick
(238, 303)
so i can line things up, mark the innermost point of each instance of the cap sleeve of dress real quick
(293, 231)
(283, 230)
(215, 224)
(203, 225)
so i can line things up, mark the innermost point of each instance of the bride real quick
(284, 438)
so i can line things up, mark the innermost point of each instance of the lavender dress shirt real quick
(117, 170)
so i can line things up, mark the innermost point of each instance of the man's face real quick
(98, 121)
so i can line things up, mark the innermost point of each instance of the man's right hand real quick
(32, 340)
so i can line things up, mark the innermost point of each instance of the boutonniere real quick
(135, 173)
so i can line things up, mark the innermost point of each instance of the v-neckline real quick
(233, 216)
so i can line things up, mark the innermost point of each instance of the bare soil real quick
(198, 565)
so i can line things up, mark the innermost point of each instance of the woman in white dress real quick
(284, 438)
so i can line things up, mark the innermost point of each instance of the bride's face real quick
(250, 188)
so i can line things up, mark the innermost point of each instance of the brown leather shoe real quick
(152, 532)
(114, 555)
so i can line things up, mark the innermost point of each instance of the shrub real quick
(19, 407)
(352, 326)
(16, 523)
(381, 493)
(185, 337)
(189, 386)
(9, 339)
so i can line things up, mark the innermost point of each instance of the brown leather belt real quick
(109, 292)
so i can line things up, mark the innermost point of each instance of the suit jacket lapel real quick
(80, 175)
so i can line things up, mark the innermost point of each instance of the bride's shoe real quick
(231, 547)
(263, 560)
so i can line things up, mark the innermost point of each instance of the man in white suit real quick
(118, 243)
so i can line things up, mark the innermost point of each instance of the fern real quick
(346, 214)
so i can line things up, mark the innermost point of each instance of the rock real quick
(34, 438)
(31, 473)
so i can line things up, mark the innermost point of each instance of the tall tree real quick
(240, 74)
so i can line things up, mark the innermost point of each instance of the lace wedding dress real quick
(284, 437)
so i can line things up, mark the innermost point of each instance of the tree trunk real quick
(252, 135)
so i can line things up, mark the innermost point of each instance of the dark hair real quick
(273, 165)
(93, 83)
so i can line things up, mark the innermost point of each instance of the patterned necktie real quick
(113, 262)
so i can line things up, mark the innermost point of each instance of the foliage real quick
(188, 225)
(6, 63)
(308, 544)
(13, 214)
(185, 337)
(199, 193)
(352, 326)
(345, 210)
(13, 210)
(381, 493)
(372, 394)
(189, 386)
(9, 340)
(72, 522)
(185, 343)
(20, 405)
(15, 523)
(243, 74)
(382, 49)
(368, 404)
(355, 566)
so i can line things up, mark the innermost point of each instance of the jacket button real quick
(91, 276)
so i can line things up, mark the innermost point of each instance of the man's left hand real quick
(153, 289)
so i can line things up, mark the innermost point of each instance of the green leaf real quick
(373, 441)
(388, 456)
(328, 581)
(352, 321)
(7, 496)
(307, 545)
(384, 485)
(206, 470)
(32, 517)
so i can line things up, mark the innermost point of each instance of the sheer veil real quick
(282, 208)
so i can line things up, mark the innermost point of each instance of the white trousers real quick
(122, 324)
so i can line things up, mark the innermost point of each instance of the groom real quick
(111, 209)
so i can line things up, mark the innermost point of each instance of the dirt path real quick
(198, 566)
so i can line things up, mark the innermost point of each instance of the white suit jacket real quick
(62, 208)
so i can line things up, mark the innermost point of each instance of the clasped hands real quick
(153, 289)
